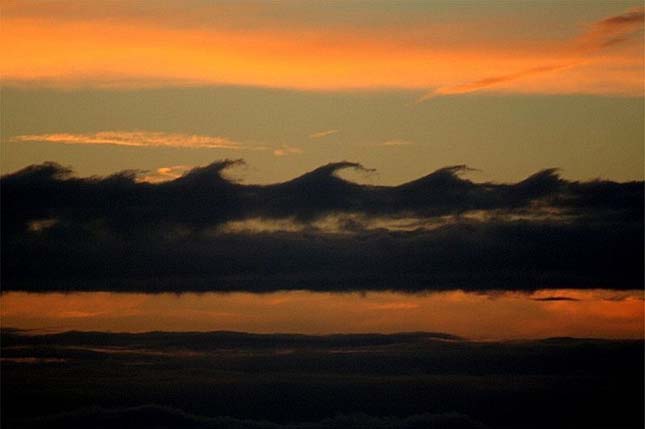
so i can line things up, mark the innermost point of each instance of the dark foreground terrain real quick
(236, 380)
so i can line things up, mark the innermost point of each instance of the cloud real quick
(118, 233)
(492, 81)
(322, 134)
(468, 256)
(285, 150)
(135, 138)
(164, 174)
(602, 34)
(157, 416)
(396, 142)
(555, 298)
(287, 381)
(613, 30)
(202, 197)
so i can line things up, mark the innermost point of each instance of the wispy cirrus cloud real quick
(600, 35)
(153, 139)
(322, 134)
(491, 81)
(136, 139)
(612, 30)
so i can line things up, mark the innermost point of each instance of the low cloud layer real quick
(156, 416)
(284, 381)
(119, 233)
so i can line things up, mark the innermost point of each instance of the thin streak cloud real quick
(396, 143)
(613, 30)
(492, 81)
(601, 34)
(135, 138)
(322, 134)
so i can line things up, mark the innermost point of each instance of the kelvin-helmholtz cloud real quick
(202, 231)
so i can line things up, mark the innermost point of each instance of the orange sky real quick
(67, 49)
(325, 51)
(508, 315)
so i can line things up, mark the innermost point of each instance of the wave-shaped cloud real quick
(204, 197)
(118, 233)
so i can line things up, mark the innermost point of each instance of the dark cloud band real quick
(61, 232)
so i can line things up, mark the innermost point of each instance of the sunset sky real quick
(453, 187)
(507, 88)
(508, 91)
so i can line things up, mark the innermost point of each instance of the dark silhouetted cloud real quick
(61, 232)
(555, 298)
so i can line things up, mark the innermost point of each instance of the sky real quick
(363, 146)
(480, 317)
(308, 214)
(405, 88)
(391, 147)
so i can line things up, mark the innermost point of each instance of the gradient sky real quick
(456, 187)
(501, 316)
(508, 88)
